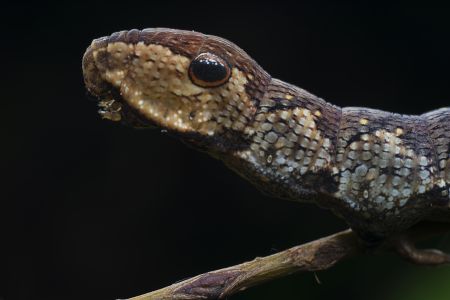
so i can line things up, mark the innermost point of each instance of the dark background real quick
(95, 210)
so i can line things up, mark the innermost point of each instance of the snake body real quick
(380, 171)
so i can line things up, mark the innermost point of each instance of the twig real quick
(314, 256)
(317, 255)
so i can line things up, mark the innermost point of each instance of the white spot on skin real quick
(407, 192)
(424, 174)
(441, 183)
(366, 194)
(354, 146)
(300, 154)
(396, 180)
(280, 160)
(271, 137)
(361, 170)
(363, 121)
(379, 199)
(422, 189)
(423, 161)
(408, 163)
(320, 163)
(366, 155)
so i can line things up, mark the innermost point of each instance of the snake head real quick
(197, 86)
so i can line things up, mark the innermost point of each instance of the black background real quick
(95, 210)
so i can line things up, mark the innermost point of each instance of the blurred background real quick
(95, 210)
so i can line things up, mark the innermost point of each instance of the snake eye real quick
(209, 70)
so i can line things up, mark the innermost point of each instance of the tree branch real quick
(317, 255)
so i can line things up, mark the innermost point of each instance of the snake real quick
(382, 172)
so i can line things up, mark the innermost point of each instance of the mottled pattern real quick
(382, 172)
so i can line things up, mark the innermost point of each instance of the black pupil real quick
(208, 70)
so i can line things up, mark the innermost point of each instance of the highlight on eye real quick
(209, 70)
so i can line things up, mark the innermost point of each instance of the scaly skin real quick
(382, 172)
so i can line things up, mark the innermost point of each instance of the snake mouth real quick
(111, 104)
(116, 109)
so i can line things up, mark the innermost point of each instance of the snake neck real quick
(292, 147)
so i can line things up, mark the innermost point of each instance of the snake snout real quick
(92, 78)
(95, 57)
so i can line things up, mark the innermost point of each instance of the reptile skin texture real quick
(381, 172)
